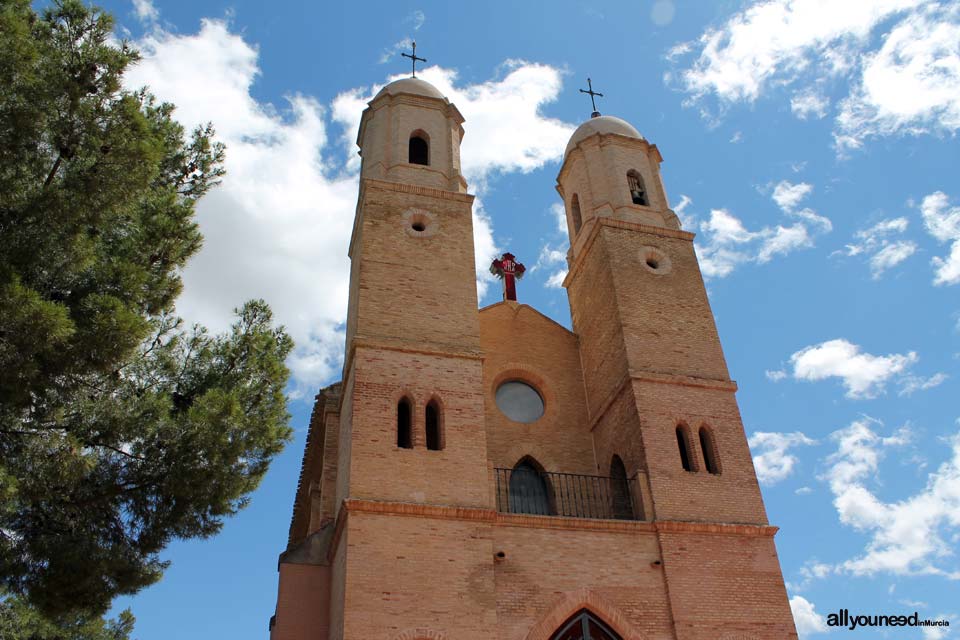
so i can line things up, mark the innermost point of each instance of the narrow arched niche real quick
(621, 506)
(405, 423)
(685, 448)
(575, 213)
(708, 446)
(434, 426)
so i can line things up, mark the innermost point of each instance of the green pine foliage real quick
(120, 428)
(20, 621)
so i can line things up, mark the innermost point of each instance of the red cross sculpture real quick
(509, 270)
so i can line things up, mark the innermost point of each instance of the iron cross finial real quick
(414, 58)
(592, 93)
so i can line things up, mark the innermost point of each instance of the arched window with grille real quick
(638, 193)
(583, 625)
(434, 426)
(683, 444)
(621, 506)
(575, 213)
(708, 446)
(405, 423)
(419, 148)
(528, 490)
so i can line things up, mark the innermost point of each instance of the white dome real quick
(601, 124)
(416, 86)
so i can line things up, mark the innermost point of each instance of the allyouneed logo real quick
(843, 618)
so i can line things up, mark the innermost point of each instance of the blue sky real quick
(810, 145)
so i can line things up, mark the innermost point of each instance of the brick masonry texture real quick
(399, 543)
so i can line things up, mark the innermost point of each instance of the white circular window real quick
(419, 223)
(519, 401)
(655, 261)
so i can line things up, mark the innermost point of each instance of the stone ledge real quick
(416, 189)
(477, 514)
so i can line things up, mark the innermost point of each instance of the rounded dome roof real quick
(602, 124)
(415, 86)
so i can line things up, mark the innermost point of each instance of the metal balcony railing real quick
(546, 493)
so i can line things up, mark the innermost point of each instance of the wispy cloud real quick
(909, 536)
(878, 243)
(942, 221)
(146, 12)
(904, 80)
(771, 454)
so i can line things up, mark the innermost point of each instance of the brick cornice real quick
(593, 227)
(479, 514)
(416, 189)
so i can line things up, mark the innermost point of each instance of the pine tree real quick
(120, 428)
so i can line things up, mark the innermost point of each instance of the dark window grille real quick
(525, 489)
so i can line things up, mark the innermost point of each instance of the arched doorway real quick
(583, 625)
(528, 490)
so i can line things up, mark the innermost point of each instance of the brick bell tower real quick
(405, 427)
(489, 474)
(657, 388)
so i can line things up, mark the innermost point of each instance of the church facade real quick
(489, 473)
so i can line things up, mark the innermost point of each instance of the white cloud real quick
(771, 454)
(772, 42)
(775, 376)
(909, 536)
(788, 195)
(911, 85)
(809, 103)
(279, 225)
(145, 10)
(395, 49)
(890, 256)
(910, 384)
(416, 18)
(885, 253)
(686, 221)
(559, 213)
(943, 222)
(555, 281)
(808, 621)
(863, 374)
(803, 491)
(938, 633)
(904, 80)
(726, 243)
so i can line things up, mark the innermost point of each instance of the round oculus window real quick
(519, 401)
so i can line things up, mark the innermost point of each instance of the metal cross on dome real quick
(592, 93)
(413, 58)
(509, 270)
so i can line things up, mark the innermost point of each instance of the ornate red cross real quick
(509, 270)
